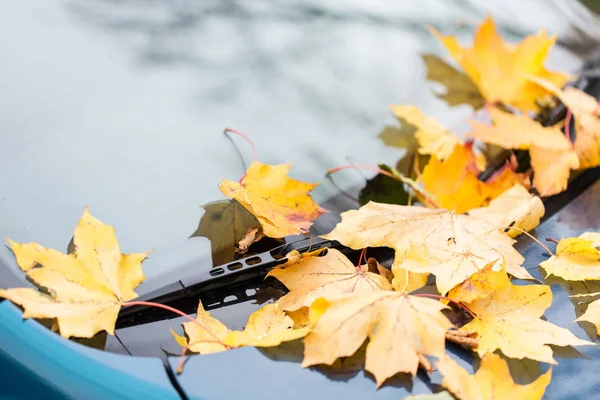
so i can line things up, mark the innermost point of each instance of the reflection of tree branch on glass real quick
(283, 51)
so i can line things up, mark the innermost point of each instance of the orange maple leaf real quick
(455, 184)
(498, 68)
(282, 205)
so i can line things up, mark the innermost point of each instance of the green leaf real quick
(460, 89)
(383, 189)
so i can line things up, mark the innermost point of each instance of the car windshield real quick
(121, 105)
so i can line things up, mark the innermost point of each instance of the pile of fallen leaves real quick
(460, 241)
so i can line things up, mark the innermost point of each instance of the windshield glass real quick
(121, 105)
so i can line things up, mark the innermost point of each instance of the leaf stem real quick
(552, 240)
(176, 311)
(188, 346)
(568, 126)
(245, 137)
(229, 130)
(360, 258)
(399, 177)
(531, 236)
(459, 304)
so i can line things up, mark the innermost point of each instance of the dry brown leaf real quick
(508, 316)
(326, 276)
(86, 288)
(492, 381)
(576, 259)
(450, 246)
(282, 205)
(515, 208)
(401, 329)
(498, 68)
(252, 235)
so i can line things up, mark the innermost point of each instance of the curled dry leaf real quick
(492, 381)
(455, 184)
(282, 205)
(252, 235)
(508, 316)
(86, 288)
(515, 207)
(552, 155)
(401, 330)
(330, 275)
(450, 246)
(576, 259)
(498, 68)
(376, 268)
(586, 111)
(267, 327)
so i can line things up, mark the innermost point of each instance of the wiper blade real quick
(185, 293)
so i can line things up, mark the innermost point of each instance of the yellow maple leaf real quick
(455, 185)
(512, 131)
(508, 316)
(552, 169)
(586, 111)
(499, 68)
(492, 381)
(592, 315)
(86, 288)
(515, 208)
(433, 137)
(576, 259)
(401, 329)
(450, 246)
(282, 205)
(267, 327)
(326, 276)
(552, 155)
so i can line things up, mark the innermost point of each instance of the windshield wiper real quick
(213, 285)
(207, 283)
